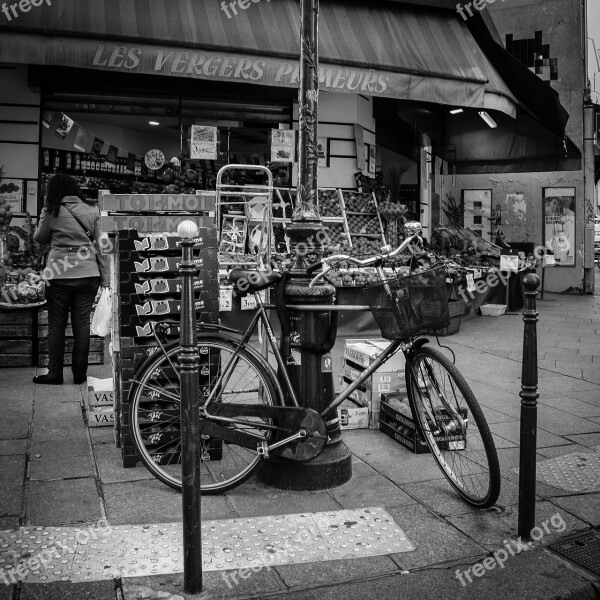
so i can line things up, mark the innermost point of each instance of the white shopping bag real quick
(101, 323)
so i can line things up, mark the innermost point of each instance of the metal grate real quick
(582, 549)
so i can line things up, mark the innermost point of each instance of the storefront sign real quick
(283, 145)
(216, 66)
(203, 142)
(134, 203)
(559, 224)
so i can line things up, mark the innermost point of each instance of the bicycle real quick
(244, 414)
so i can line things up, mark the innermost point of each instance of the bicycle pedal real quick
(262, 449)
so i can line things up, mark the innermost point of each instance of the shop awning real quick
(380, 49)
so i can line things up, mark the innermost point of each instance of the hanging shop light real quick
(488, 119)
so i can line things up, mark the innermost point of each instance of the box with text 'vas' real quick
(101, 392)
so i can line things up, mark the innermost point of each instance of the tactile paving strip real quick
(43, 554)
(575, 472)
(583, 550)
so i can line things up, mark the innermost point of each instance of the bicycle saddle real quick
(253, 280)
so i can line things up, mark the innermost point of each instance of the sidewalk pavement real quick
(58, 475)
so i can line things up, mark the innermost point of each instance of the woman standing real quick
(74, 270)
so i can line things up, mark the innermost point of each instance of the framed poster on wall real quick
(11, 192)
(559, 224)
(478, 211)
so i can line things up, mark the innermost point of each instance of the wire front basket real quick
(407, 306)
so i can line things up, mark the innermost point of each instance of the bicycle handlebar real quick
(361, 263)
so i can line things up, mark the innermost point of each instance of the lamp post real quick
(309, 330)
(190, 417)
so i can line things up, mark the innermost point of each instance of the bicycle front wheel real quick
(453, 425)
(154, 413)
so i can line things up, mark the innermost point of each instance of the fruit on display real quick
(329, 203)
(336, 236)
(391, 210)
(6, 214)
(361, 202)
(22, 286)
(365, 224)
(365, 246)
(168, 176)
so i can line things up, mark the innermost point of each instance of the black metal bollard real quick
(190, 418)
(529, 396)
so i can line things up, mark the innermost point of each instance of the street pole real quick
(309, 330)
(190, 417)
(529, 396)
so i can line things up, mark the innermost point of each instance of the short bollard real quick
(190, 418)
(529, 396)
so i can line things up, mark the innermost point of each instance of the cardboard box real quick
(353, 416)
(101, 392)
(101, 416)
(364, 352)
(380, 381)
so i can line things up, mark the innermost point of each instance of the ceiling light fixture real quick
(153, 123)
(488, 119)
(455, 111)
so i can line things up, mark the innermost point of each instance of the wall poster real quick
(559, 224)
(478, 212)
(11, 192)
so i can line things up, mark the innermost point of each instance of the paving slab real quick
(253, 498)
(76, 447)
(262, 584)
(511, 432)
(370, 491)
(436, 540)
(9, 522)
(72, 501)
(108, 460)
(296, 576)
(585, 507)
(589, 396)
(12, 475)
(48, 467)
(581, 409)
(443, 500)
(391, 459)
(103, 435)
(14, 425)
(8, 447)
(493, 530)
(590, 440)
(96, 590)
(361, 469)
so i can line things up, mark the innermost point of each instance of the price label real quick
(509, 263)
(225, 299)
(470, 283)
(477, 274)
(249, 303)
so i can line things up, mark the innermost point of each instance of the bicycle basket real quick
(410, 305)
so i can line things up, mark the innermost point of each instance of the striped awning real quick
(392, 50)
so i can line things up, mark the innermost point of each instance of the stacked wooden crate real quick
(18, 337)
(146, 288)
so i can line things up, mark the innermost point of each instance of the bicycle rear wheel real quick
(154, 413)
(467, 456)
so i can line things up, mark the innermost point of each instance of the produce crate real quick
(101, 416)
(18, 337)
(456, 310)
(400, 425)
